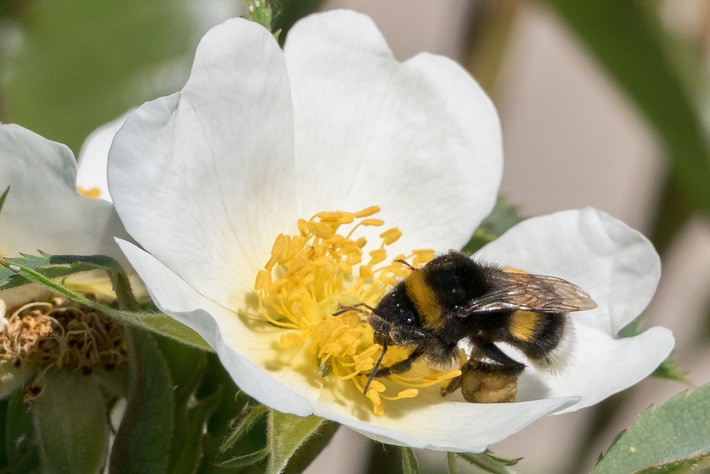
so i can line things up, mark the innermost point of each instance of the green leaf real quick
(245, 424)
(670, 369)
(56, 266)
(246, 460)
(292, 11)
(164, 326)
(286, 434)
(669, 438)
(158, 323)
(312, 447)
(410, 465)
(631, 329)
(187, 368)
(21, 450)
(143, 441)
(45, 266)
(5, 442)
(452, 463)
(3, 196)
(71, 423)
(490, 462)
(260, 11)
(230, 408)
(503, 216)
(188, 441)
(292, 442)
(504, 460)
(626, 40)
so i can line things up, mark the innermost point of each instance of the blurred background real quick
(602, 104)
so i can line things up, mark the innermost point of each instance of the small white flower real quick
(212, 182)
(44, 209)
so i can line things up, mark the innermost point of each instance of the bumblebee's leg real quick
(494, 353)
(376, 368)
(483, 382)
(454, 385)
(398, 368)
(356, 307)
(489, 383)
(506, 368)
(386, 334)
(403, 365)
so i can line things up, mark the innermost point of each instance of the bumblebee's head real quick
(397, 309)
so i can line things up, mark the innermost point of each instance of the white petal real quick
(430, 423)
(243, 344)
(93, 158)
(614, 263)
(601, 366)
(203, 178)
(43, 209)
(418, 138)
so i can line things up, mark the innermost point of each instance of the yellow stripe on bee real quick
(424, 299)
(523, 324)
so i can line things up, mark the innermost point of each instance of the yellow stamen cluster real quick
(56, 334)
(312, 275)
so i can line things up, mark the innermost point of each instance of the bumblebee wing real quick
(528, 292)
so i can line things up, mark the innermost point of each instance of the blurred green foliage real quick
(72, 65)
(627, 38)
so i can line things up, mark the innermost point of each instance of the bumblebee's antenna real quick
(404, 262)
(376, 367)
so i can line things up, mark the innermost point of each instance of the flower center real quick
(55, 334)
(325, 267)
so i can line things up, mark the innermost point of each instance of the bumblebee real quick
(454, 298)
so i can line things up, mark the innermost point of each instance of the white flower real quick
(207, 179)
(44, 210)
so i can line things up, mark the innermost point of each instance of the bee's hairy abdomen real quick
(536, 334)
